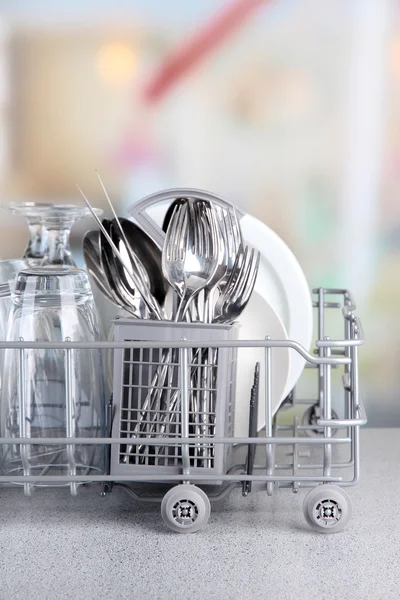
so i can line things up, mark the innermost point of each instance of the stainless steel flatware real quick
(138, 283)
(239, 287)
(124, 297)
(150, 256)
(92, 258)
(191, 251)
(203, 260)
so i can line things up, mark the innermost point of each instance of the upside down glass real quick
(52, 393)
(8, 271)
(49, 230)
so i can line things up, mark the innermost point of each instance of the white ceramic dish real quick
(258, 320)
(282, 283)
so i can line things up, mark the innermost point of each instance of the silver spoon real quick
(107, 265)
(92, 258)
(149, 301)
(150, 256)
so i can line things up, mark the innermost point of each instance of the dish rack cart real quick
(171, 420)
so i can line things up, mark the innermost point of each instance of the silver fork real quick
(238, 288)
(231, 242)
(191, 251)
(230, 236)
(234, 241)
(234, 299)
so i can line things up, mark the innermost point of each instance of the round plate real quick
(258, 320)
(281, 281)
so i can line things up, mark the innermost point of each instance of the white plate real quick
(282, 283)
(258, 320)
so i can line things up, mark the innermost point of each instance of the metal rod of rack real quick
(70, 402)
(24, 419)
(184, 379)
(188, 344)
(327, 414)
(159, 477)
(171, 441)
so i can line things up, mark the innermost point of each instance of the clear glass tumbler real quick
(8, 271)
(52, 393)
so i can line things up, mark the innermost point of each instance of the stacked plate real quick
(280, 306)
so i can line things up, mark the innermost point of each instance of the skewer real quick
(132, 256)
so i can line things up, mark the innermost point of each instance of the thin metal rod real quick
(306, 467)
(327, 414)
(129, 249)
(296, 455)
(358, 405)
(260, 441)
(328, 304)
(270, 454)
(23, 420)
(160, 477)
(336, 343)
(338, 423)
(126, 265)
(184, 381)
(179, 344)
(70, 414)
(268, 392)
(321, 314)
(356, 453)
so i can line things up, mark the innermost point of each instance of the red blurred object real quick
(198, 46)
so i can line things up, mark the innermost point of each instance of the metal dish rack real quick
(186, 506)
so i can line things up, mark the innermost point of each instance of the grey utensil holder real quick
(147, 399)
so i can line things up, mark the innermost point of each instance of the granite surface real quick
(54, 546)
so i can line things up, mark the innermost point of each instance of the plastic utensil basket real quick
(147, 398)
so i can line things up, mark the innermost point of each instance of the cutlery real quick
(239, 287)
(122, 295)
(92, 258)
(150, 256)
(153, 307)
(204, 261)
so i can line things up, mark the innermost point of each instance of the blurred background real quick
(291, 112)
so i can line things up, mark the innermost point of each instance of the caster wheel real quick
(327, 508)
(311, 417)
(185, 508)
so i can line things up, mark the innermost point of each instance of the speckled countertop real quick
(53, 546)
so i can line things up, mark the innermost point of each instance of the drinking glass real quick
(49, 230)
(37, 242)
(52, 393)
(8, 271)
